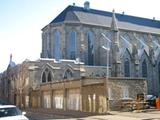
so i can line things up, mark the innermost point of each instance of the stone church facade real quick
(91, 61)
(81, 33)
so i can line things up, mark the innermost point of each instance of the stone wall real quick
(121, 89)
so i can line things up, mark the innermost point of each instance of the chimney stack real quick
(86, 5)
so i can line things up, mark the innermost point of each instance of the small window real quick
(127, 68)
(46, 76)
(68, 74)
(43, 77)
(144, 69)
(49, 77)
(110, 94)
(125, 92)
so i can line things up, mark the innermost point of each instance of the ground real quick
(113, 115)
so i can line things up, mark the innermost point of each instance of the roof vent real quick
(86, 5)
(154, 18)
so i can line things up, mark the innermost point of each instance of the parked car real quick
(11, 112)
(151, 99)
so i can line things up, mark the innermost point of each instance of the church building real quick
(91, 61)
(129, 46)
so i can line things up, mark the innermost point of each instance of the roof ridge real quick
(110, 13)
(120, 17)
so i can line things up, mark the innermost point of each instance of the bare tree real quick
(22, 80)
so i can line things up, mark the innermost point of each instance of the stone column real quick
(65, 99)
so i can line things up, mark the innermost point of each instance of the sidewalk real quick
(68, 113)
(112, 115)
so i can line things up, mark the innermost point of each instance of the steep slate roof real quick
(103, 18)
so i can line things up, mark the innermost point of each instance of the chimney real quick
(154, 18)
(86, 5)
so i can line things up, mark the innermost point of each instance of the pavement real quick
(68, 113)
(135, 115)
(147, 114)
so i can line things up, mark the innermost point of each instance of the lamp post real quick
(107, 60)
(107, 48)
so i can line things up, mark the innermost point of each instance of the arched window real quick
(127, 68)
(49, 78)
(43, 77)
(144, 69)
(46, 76)
(68, 74)
(90, 40)
(71, 46)
(57, 50)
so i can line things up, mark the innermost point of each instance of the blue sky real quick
(21, 22)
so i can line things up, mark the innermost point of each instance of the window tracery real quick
(57, 42)
(68, 74)
(144, 69)
(127, 68)
(46, 76)
(71, 46)
(90, 40)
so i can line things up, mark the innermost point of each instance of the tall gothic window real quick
(90, 41)
(127, 68)
(57, 50)
(48, 45)
(144, 69)
(71, 47)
